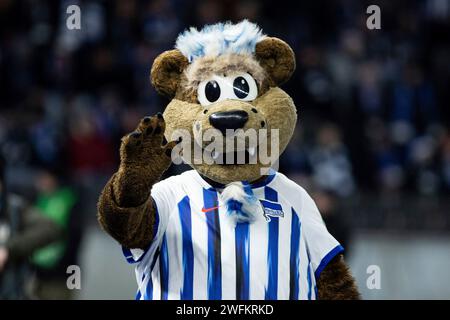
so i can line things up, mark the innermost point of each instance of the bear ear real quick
(277, 58)
(166, 72)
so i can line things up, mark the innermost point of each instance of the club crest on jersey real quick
(272, 209)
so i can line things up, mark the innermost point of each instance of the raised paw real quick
(147, 145)
(152, 129)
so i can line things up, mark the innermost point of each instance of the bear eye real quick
(240, 87)
(244, 87)
(212, 91)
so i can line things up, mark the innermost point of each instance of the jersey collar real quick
(211, 184)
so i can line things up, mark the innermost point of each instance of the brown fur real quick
(125, 208)
(130, 226)
(185, 92)
(336, 282)
(203, 68)
(166, 71)
(277, 58)
(227, 64)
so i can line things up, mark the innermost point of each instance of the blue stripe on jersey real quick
(242, 245)
(214, 245)
(184, 210)
(338, 249)
(272, 254)
(164, 270)
(148, 294)
(271, 205)
(138, 293)
(129, 256)
(295, 256)
(270, 194)
(308, 272)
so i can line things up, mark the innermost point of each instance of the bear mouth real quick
(231, 157)
(247, 156)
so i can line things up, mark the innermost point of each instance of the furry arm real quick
(125, 209)
(336, 282)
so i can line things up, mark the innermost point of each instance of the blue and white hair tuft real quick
(218, 39)
(241, 203)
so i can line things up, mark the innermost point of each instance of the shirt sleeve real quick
(321, 245)
(163, 195)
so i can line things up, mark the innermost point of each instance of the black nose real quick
(235, 119)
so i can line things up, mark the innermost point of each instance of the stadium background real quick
(372, 143)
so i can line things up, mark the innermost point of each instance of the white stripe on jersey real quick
(203, 255)
(174, 248)
(200, 229)
(258, 254)
(284, 240)
(228, 254)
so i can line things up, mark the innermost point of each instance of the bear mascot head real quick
(227, 77)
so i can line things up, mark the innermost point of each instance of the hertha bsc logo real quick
(272, 209)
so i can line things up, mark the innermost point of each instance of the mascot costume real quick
(226, 229)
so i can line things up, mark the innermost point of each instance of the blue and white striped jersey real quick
(199, 252)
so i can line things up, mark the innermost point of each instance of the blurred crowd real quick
(373, 104)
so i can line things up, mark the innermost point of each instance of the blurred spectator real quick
(23, 231)
(328, 204)
(88, 148)
(331, 166)
(57, 203)
(445, 160)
